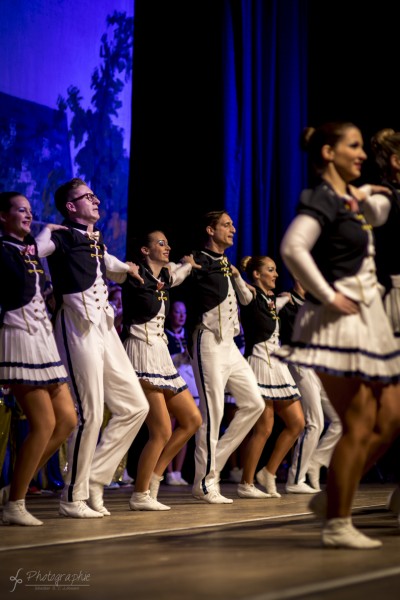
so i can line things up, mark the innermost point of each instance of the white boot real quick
(143, 501)
(95, 501)
(78, 510)
(267, 480)
(300, 488)
(15, 513)
(155, 481)
(319, 504)
(249, 490)
(313, 474)
(393, 501)
(179, 478)
(340, 533)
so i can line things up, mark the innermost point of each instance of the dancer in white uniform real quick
(260, 323)
(311, 451)
(145, 307)
(385, 145)
(29, 360)
(217, 361)
(341, 330)
(91, 349)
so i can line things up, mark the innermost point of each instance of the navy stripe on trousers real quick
(80, 410)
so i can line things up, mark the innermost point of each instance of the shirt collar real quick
(80, 226)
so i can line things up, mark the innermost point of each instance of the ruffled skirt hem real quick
(154, 364)
(30, 359)
(361, 345)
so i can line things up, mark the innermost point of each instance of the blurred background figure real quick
(311, 452)
(342, 331)
(115, 299)
(177, 346)
(121, 475)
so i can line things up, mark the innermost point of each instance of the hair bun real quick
(244, 262)
(380, 138)
(306, 136)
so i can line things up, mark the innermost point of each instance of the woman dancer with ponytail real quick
(145, 307)
(342, 331)
(260, 323)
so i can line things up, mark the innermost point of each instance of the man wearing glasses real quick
(99, 368)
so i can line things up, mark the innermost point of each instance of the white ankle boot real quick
(267, 480)
(319, 504)
(143, 501)
(313, 474)
(15, 513)
(154, 486)
(340, 533)
(95, 501)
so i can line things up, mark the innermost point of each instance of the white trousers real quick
(326, 445)
(100, 372)
(217, 364)
(311, 448)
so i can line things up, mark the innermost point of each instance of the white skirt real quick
(30, 359)
(153, 363)
(360, 345)
(274, 379)
(392, 307)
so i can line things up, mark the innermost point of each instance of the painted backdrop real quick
(65, 103)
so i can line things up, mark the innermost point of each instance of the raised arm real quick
(376, 204)
(242, 289)
(45, 244)
(118, 270)
(179, 271)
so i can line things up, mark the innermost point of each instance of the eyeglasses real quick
(88, 196)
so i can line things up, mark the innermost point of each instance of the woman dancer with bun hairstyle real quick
(145, 306)
(385, 145)
(260, 323)
(342, 331)
(29, 361)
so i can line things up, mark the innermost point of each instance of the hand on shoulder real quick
(55, 226)
(188, 259)
(134, 271)
(363, 192)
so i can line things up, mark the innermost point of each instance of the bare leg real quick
(356, 406)
(158, 424)
(172, 464)
(180, 459)
(36, 404)
(255, 445)
(292, 415)
(66, 420)
(176, 463)
(387, 424)
(188, 418)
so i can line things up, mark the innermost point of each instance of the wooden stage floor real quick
(265, 549)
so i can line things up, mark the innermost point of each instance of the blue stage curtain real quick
(264, 111)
